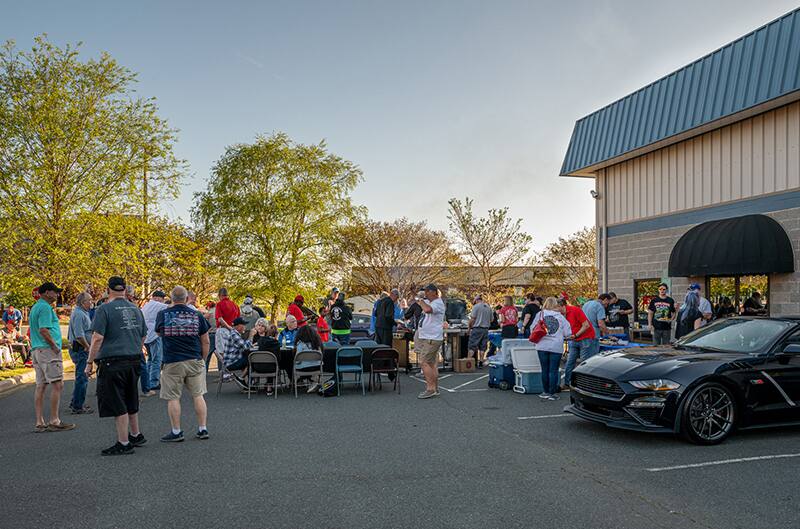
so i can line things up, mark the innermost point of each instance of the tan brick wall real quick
(646, 255)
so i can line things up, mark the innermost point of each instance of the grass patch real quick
(11, 373)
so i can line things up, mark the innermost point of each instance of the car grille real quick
(602, 387)
(646, 416)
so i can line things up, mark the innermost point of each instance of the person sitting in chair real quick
(287, 336)
(235, 349)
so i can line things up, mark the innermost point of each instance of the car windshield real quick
(734, 335)
(361, 319)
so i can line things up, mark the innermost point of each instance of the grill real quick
(602, 387)
(646, 416)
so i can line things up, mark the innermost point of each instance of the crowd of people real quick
(165, 345)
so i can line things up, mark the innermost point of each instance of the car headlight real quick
(658, 384)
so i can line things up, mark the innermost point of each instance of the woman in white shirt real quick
(551, 346)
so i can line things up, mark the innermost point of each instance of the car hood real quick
(642, 363)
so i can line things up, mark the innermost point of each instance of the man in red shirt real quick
(296, 310)
(584, 341)
(225, 309)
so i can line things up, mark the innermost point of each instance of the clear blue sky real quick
(432, 99)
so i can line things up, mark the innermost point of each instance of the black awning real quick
(748, 245)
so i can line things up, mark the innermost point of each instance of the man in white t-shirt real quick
(430, 337)
(152, 342)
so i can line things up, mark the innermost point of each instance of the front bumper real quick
(619, 414)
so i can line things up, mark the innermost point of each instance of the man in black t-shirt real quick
(617, 313)
(529, 312)
(660, 314)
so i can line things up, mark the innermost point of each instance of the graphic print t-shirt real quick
(510, 315)
(619, 320)
(122, 326)
(180, 328)
(663, 309)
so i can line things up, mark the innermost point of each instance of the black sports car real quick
(735, 373)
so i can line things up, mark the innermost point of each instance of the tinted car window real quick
(736, 335)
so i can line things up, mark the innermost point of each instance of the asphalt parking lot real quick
(474, 457)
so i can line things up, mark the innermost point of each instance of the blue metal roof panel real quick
(754, 69)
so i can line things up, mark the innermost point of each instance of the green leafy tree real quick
(271, 211)
(493, 243)
(74, 139)
(572, 263)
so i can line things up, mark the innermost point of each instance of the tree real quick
(378, 255)
(74, 139)
(572, 262)
(271, 211)
(493, 243)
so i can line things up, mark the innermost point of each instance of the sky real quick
(432, 99)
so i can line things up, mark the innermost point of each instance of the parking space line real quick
(544, 416)
(722, 462)
(470, 382)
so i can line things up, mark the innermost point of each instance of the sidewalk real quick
(28, 378)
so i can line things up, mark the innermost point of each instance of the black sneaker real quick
(202, 434)
(139, 440)
(240, 381)
(118, 449)
(172, 437)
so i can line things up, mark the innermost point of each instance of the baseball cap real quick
(432, 287)
(694, 286)
(49, 286)
(335, 289)
(240, 321)
(116, 284)
(300, 298)
(159, 294)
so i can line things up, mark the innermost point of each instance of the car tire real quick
(708, 414)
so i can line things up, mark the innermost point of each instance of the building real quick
(697, 176)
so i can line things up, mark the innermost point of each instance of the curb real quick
(25, 378)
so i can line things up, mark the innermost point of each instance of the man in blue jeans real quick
(79, 335)
(584, 344)
(152, 343)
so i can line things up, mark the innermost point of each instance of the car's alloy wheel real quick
(709, 414)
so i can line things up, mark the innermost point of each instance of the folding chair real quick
(306, 364)
(349, 354)
(386, 360)
(222, 370)
(262, 365)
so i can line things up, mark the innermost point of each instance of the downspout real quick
(602, 188)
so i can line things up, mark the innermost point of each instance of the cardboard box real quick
(465, 365)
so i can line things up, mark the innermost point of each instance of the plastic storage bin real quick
(501, 375)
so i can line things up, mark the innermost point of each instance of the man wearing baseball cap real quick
(118, 336)
(296, 309)
(48, 364)
(430, 338)
(705, 305)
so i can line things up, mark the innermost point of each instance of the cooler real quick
(501, 375)
(528, 382)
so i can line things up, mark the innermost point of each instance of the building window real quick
(644, 290)
(737, 289)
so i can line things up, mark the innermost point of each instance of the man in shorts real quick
(47, 360)
(184, 332)
(117, 341)
(479, 320)
(430, 338)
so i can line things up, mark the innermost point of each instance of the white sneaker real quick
(544, 396)
(553, 397)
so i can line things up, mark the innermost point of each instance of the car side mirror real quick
(791, 349)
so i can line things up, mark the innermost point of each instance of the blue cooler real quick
(501, 375)
(528, 382)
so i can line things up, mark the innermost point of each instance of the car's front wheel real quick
(709, 414)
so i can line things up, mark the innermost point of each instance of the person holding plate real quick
(660, 314)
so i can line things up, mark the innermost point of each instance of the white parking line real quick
(543, 416)
(470, 382)
(723, 462)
